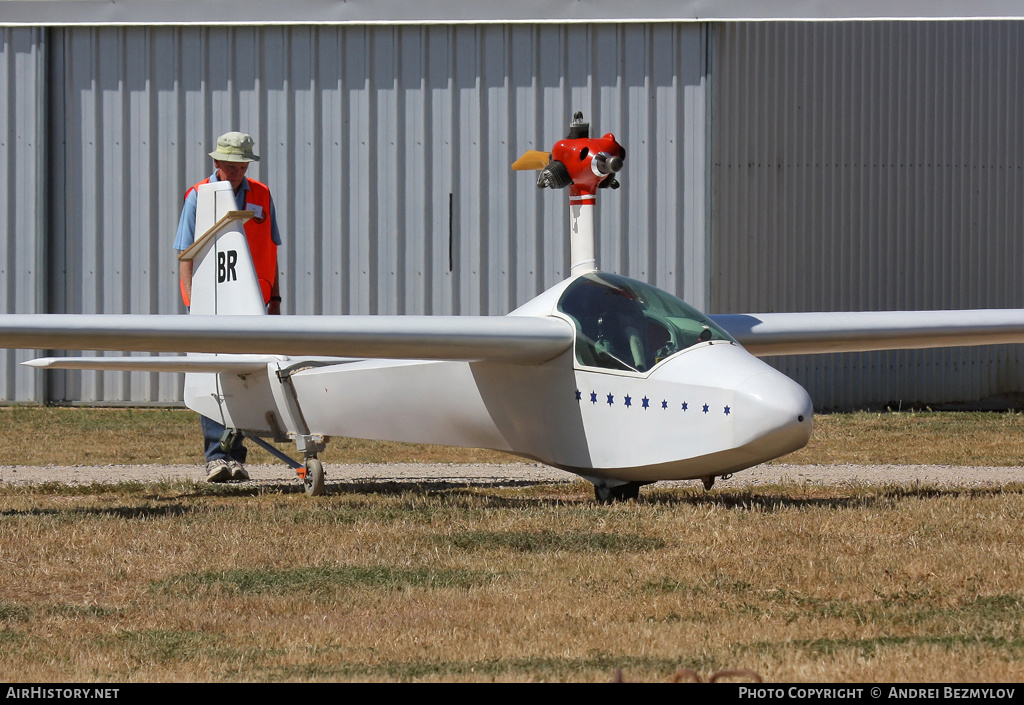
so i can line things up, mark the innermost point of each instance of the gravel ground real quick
(519, 474)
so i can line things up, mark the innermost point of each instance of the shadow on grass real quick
(172, 499)
(772, 500)
(168, 496)
(440, 488)
(168, 510)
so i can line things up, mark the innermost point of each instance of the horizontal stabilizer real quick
(231, 364)
(519, 339)
(764, 334)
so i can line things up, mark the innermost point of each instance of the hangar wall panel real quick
(871, 166)
(22, 196)
(387, 150)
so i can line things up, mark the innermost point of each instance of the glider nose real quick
(783, 415)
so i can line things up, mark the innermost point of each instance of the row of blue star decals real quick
(645, 403)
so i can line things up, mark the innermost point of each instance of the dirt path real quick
(522, 473)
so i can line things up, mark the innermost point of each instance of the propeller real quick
(532, 159)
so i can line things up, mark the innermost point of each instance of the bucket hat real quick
(235, 147)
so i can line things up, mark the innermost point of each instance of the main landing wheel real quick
(314, 479)
(619, 493)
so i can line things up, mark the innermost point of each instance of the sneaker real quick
(218, 471)
(238, 472)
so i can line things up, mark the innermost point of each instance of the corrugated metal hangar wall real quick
(844, 166)
(388, 150)
(872, 166)
(22, 170)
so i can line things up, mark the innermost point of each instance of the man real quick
(231, 160)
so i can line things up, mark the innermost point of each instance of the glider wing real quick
(516, 339)
(765, 334)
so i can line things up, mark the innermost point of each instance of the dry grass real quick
(190, 582)
(102, 436)
(62, 436)
(911, 437)
(185, 582)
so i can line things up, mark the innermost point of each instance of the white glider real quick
(600, 375)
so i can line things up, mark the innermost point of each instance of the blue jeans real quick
(212, 432)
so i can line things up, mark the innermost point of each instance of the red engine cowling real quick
(583, 162)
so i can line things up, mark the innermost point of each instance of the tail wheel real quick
(314, 479)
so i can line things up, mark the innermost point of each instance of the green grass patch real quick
(997, 605)
(167, 645)
(322, 580)
(14, 613)
(983, 613)
(871, 647)
(554, 541)
(11, 637)
(602, 665)
(716, 585)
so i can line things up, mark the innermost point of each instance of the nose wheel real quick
(619, 493)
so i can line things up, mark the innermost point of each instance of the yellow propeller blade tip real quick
(532, 159)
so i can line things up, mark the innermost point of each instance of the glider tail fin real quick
(223, 277)
(223, 282)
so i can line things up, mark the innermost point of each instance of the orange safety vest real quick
(258, 234)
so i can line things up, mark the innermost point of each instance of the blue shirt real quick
(187, 222)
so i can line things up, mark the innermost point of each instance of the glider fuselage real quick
(707, 408)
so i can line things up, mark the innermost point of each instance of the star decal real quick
(645, 402)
